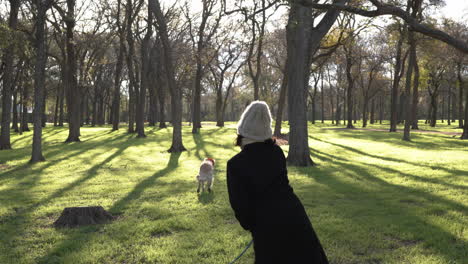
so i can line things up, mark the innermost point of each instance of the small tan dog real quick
(206, 174)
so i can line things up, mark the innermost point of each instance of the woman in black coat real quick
(262, 199)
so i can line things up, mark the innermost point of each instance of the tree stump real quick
(80, 216)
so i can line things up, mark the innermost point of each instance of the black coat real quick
(265, 204)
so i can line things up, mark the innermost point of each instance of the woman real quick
(262, 199)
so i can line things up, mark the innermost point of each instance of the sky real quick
(456, 9)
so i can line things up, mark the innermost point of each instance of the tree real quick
(225, 60)
(204, 35)
(8, 78)
(399, 69)
(176, 93)
(302, 40)
(393, 10)
(118, 69)
(39, 77)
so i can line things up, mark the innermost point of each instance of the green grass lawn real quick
(372, 198)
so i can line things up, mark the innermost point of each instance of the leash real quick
(243, 252)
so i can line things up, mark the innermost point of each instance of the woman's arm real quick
(238, 197)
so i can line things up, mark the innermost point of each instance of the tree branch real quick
(386, 9)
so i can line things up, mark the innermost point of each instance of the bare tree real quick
(39, 77)
(176, 93)
(8, 83)
(303, 39)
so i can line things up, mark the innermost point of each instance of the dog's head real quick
(211, 160)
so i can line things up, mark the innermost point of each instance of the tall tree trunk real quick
(460, 96)
(176, 93)
(449, 104)
(407, 93)
(117, 82)
(414, 105)
(39, 79)
(24, 112)
(62, 99)
(14, 126)
(372, 113)
(73, 92)
(95, 112)
(281, 103)
(161, 81)
(396, 83)
(313, 102)
(381, 109)
(298, 47)
(443, 109)
(44, 114)
(454, 106)
(302, 42)
(322, 103)
(433, 115)
(465, 127)
(145, 76)
(7, 90)
(56, 108)
(349, 90)
(365, 110)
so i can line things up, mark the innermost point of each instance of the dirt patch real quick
(4, 167)
(81, 216)
(398, 242)
(411, 202)
(159, 234)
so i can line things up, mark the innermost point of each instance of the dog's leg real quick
(210, 184)
(198, 189)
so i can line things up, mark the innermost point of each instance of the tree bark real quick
(145, 77)
(176, 93)
(465, 127)
(73, 90)
(161, 81)
(407, 93)
(322, 102)
(44, 105)
(460, 96)
(7, 90)
(399, 64)
(39, 79)
(449, 104)
(298, 53)
(24, 112)
(372, 113)
(350, 88)
(117, 83)
(434, 106)
(388, 9)
(414, 105)
(281, 103)
(14, 125)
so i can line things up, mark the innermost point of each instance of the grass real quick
(440, 126)
(372, 198)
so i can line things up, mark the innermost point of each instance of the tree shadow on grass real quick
(360, 152)
(200, 147)
(70, 244)
(378, 192)
(420, 141)
(29, 206)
